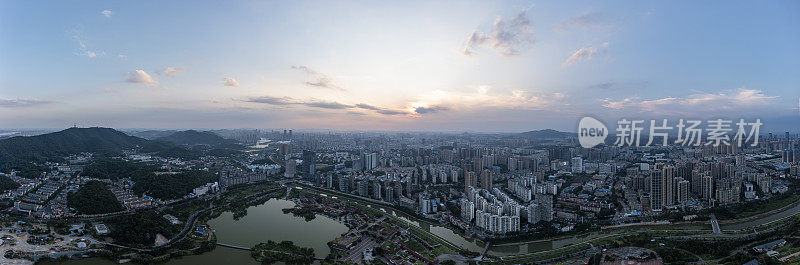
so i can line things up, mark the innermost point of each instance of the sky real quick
(483, 66)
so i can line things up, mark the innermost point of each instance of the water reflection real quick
(263, 222)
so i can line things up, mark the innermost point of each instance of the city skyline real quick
(508, 66)
(399, 132)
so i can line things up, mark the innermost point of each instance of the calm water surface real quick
(262, 223)
(267, 222)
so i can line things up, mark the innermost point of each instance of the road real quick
(22, 245)
(715, 225)
(355, 253)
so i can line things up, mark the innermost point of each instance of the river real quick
(477, 245)
(268, 222)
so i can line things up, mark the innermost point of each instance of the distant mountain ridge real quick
(151, 134)
(192, 137)
(548, 133)
(23, 153)
(54, 146)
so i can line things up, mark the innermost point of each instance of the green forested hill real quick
(55, 146)
(94, 198)
(27, 153)
(113, 169)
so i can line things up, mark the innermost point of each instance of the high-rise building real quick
(290, 168)
(787, 156)
(668, 185)
(697, 182)
(376, 190)
(708, 188)
(309, 164)
(545, 202)
(470, 180)
(682, 190)
(577, 165)
(344, 184)
(486, 179)
(389, 194)
(534, 213)
(329, 181)
(656, 190)
(467, 210)
(363, 188)
(285, 148)
(370, 160)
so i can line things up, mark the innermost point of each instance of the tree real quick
(94, 197)
(172, 186)
(7, 184)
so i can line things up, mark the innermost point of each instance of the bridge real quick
(715, 225)
(233, 246)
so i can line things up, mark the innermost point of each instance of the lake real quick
(263, 222)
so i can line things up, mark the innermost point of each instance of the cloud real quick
(173, 71)
(320, 80)
(381, 110)
(741, 99)
(507, 36)
(584, 21)
(366, 106)
(305, 69)
(281, 101)
(326, 104)
(106, 13)
(481, 97)
(431, 109)
(140, 77)
(271, 100)
(83, 48)
(229, 81)
(22, 102)
(392, 112)
(584, 54)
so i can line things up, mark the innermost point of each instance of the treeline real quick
(285, 251)
(26, 169)
(146, 182)
(750, 208)
(94, 198)
(141, 229)
(115, 169)
(264, 161)
(172, 186)
(179, 152)
(7, 183)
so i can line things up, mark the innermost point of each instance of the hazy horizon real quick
(318, 130)
(506, 66)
